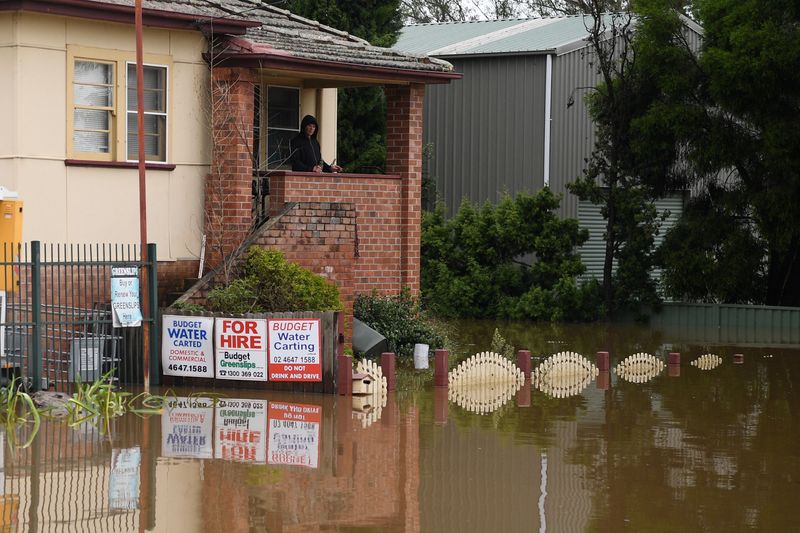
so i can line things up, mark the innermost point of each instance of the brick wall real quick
(228, 194)
(377, 231)
(404, 158)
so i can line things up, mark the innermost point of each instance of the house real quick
(517, 121)
(226, 84)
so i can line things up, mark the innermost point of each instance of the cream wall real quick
(85, 205)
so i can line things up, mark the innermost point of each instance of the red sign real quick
(294, 434)
(295, 349)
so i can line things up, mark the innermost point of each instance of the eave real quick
(293, 64)
(125, 14)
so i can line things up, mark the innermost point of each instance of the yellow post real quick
(10, 238)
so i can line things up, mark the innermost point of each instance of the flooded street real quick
(695, 447)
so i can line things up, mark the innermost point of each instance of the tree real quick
(750, 56)
(614, 177)
(731, 115)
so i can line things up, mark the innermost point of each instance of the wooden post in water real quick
(603, 361)
(524, 392)
(441, 405)
(674, 358)
(603, 380)
(344, 375)
(440, 367)
(738, 358)
(524, 362)
(388, 367)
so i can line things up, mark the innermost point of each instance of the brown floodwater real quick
(695, 447)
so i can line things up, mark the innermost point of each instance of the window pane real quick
(91, 141)
(93, 95)
(155, 138)
(91, 119)
(283, 108)
(278, 150)
(154, 88)
(93, 72)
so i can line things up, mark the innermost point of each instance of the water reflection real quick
(564, 374)
(707, 361)
(705, 451)
(639, 368)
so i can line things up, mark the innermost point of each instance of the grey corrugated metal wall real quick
(571, 130)
(487, 129)
(593, 251)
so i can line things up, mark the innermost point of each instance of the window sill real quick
(116, 164)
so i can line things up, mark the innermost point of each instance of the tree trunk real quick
(608, 263)
(783, 278)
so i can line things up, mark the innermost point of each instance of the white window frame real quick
(165, 114)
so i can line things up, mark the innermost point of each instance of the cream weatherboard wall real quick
(83, 205)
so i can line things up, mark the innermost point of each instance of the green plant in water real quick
(16, 410)
(99, 403)
(501, 346)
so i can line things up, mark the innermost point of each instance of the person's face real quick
(310, 129)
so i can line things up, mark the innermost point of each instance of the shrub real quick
(399, 319)
(516, 259)
(270, 283)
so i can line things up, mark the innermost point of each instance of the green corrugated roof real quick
(422, 38)
(493, 37)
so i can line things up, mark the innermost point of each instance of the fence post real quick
(35, 359)
(152, 289)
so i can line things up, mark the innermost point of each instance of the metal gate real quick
(56, 323)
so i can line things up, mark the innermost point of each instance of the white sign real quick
(186, 347)
(123, 483)
(241, 430)
(294, 434)
(125, 310)
(187, 428)
(240, 349)
(295, 349)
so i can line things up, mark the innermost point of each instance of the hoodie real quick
(306, 152)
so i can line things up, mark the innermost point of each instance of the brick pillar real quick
(404, 157)
(228, 194)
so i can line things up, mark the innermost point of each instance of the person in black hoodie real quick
(306, 154)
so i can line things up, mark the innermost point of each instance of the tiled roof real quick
(288, 34)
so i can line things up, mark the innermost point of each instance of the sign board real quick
(125, 309)
(187, 428)
(294, 434)
(186, 348)
(241, 353)
(85, 358)
(123, 483)
(241, 430)
(295, 349)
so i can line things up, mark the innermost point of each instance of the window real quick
(283, 123)
(155, 113)
(103, 107)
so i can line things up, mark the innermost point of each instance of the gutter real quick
(548, 97)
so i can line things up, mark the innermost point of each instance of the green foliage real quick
(100, 402)
(713, 254)
(270, 283)
(17, 409)
(728, 113)
(399, 319)
(501, 346)
(188, 306)
(471, 264)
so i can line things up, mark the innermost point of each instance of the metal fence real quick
(56, 323)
